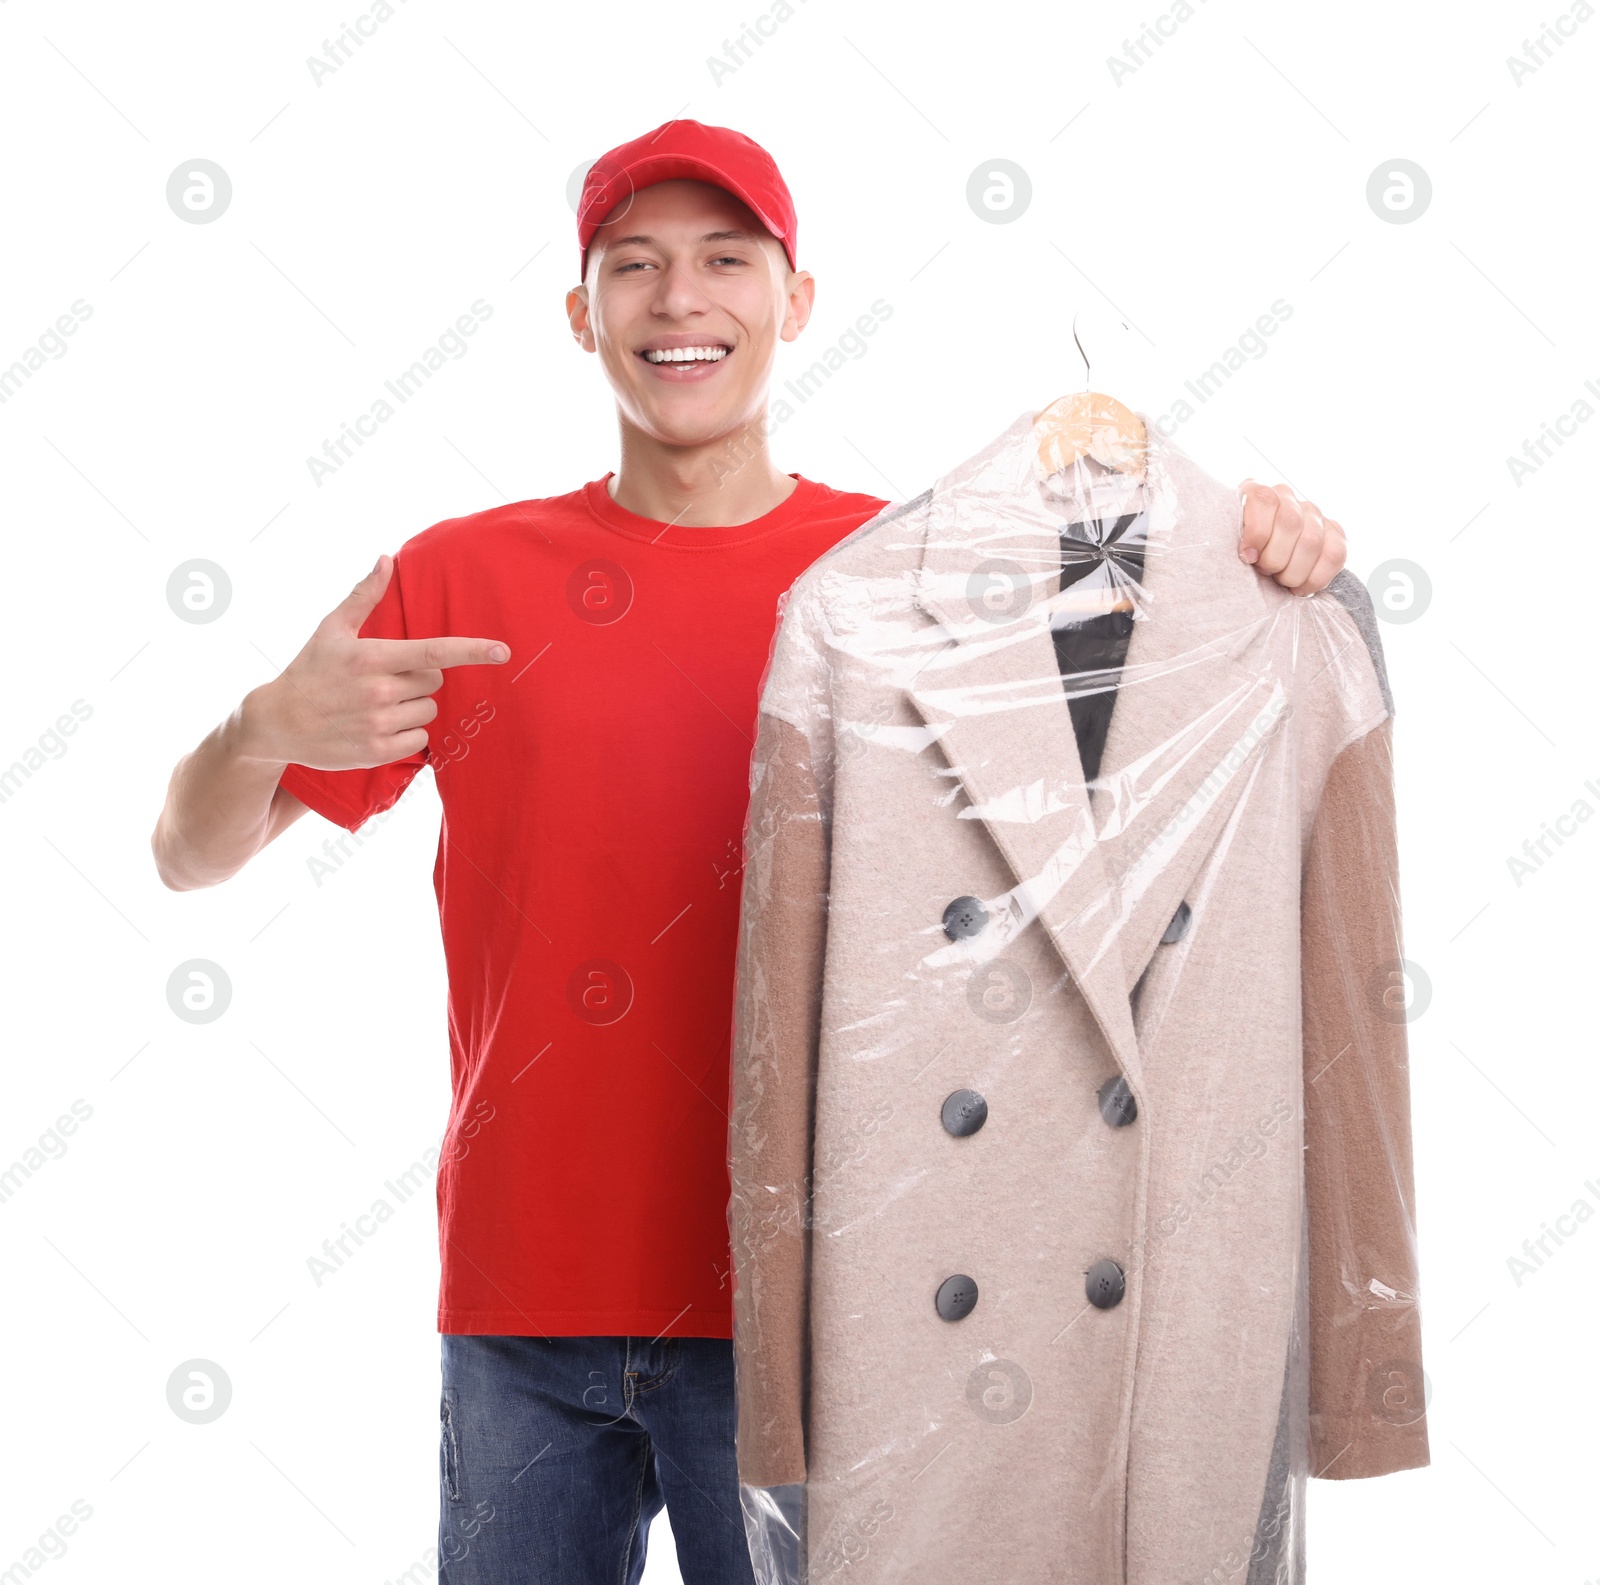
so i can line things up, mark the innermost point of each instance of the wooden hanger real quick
(1089, 424)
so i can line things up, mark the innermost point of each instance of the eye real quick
(728, 258)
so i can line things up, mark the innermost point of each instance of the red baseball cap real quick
(718, 155)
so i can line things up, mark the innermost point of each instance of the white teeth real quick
(688, 355)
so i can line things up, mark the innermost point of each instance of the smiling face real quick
(685, 299)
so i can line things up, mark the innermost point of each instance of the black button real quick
(966, 916)
(1117, 1104)
(1179, 927)
(964, 1112)
(956, 1297)
(1105, 1284)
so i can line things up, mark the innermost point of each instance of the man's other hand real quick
(1287, 539)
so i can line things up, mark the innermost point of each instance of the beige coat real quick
(915, 749)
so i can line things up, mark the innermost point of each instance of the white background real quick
(432, 169)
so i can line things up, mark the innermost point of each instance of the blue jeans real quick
(556, 1453)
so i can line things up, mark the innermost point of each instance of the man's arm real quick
(1287, 539)
(223, 806)
(343, 703)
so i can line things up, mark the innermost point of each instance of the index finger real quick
(1259, 509)
(422, 654)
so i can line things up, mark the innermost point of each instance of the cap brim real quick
(655, 168)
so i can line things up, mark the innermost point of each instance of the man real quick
(591, 743)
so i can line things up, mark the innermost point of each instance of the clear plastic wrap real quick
(1072, 1206)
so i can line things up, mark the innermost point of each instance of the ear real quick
(578, 317)
(802, 297)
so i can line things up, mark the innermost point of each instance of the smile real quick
(714, 354)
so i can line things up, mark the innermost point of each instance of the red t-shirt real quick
(594, 790)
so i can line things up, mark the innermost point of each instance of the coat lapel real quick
(1104, 867)
(1197, 699)
(992, 697)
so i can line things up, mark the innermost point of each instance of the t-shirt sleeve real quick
(350, 798)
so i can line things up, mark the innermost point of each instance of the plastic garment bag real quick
(1072, 1208)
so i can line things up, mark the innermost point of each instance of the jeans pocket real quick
(449, 1447)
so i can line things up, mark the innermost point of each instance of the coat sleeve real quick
(1366, 1382)
(776, 1022)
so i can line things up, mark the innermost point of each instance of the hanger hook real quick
(1081, 353)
